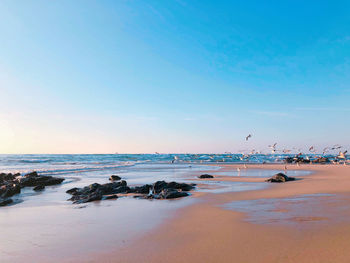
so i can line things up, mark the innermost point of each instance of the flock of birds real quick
(340, 156)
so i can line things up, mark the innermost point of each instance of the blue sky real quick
(173, 76)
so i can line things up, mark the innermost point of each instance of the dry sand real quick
(315, 229)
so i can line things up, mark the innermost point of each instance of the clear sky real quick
(173, 76)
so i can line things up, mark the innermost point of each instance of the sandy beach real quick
(314, 227)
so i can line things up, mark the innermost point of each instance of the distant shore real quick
(317, 229)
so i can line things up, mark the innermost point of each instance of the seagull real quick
(325, 150)
(249, 136)
(341, 155)
(273, 147)
(175, 158)
(336, 147)
(312, 149)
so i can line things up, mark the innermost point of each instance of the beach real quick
(234, 217)
(206, 232)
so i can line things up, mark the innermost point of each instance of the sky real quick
(173, 76)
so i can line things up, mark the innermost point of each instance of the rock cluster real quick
(203, 176)
(322, 160)
(11, 184)
(296, 159)
(158, 190)
(299, 159)
(280, 178)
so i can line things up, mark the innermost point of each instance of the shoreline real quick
(205, 232)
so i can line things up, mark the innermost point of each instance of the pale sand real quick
(205, 232)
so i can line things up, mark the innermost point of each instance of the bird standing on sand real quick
(249, 136)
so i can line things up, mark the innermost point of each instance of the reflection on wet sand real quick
(307, 208)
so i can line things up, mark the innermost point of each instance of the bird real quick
(245, 166)
(336, 147)
(249, 136)
(175, 158)
(273, 147)
(312, 149)
(341, 155)
(325, 150)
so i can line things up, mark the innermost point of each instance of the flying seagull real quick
(249, 136)
(312, 149)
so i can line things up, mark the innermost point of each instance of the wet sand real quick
(218, 228)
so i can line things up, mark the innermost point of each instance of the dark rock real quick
(6, 177)
(280, 178)
(322, 160)
(72, 191)
(115, 178)
(289, 160)
(33, 179)
(296, 159)
(106, 197)
(39, 188)
(172, 193)
(97, 191)
(9, 189)
(162, 185)
(78, 199)
(140, 189)
(6, 201)
(161, 190)
(11, 184)
(205, 176)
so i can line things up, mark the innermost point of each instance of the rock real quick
(106, 197)
(97, 191)
(6, 201)
(11, 184)
(9, 189)
(161, 190)
(172, 193)
(289, 160)
(144, 189)
(33, 179)
(39, 188)
(322, 160)
(4, 177)
(162, 185)
(296, 159)
(72, 191)
(203, 176)
(115, 178)
(280, 178)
